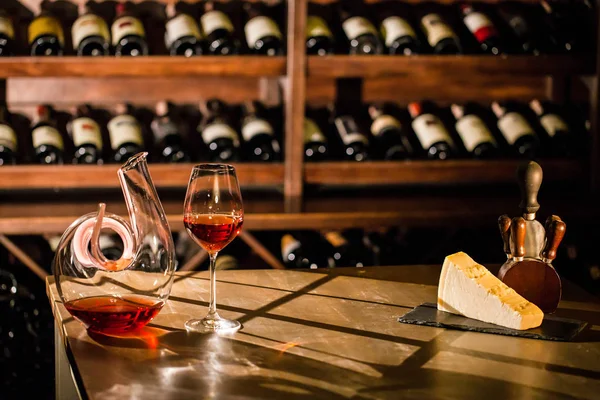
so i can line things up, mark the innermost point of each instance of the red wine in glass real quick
(213, 231)
(213, 215)
(113, 315)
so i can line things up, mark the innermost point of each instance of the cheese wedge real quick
(469, 289)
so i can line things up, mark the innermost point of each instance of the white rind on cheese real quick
(469, 289)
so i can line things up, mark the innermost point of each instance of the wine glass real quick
(213, 216)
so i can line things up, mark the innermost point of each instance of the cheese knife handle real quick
(504, 225)
(529, 177)
(518, 227)
(555, 231)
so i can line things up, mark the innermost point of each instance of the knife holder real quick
(530, 247)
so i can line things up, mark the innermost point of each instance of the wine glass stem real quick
(212, 306)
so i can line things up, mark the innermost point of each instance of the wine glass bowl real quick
(213, 216)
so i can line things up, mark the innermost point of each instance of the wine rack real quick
(296, 80)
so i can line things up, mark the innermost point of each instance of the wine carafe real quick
(116, 296)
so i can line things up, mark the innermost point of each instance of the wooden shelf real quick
(341, 66)
(433, 172)
(52, 177)
(151, 66)
(331, 212)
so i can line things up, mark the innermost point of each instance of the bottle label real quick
(86, 131)
(382, 122)
(288, 245)
(162, 129)
(181, 26)
(8, 138)
(356, 26)
(260, 27)
(480, 26)
(312, 132)
(226, 261)
(219, 130)
(6, 27)
(213, 20)
(124, 129)
(473, 132)
(125, 26)
(553, 124)
(436, 29)
(394, 27)
(430, 130)
(513, 126)
(256, 127)
(317, 26)
(45, 25)
(349, 131)
(47, 135)
(89, 25)
(335, 239)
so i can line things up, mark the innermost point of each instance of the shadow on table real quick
(188, 365)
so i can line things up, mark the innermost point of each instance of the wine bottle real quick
(297, 255)
(8, 138)
(515, 129)
(517, 17)
(483, 29)
(440, 36)
(562, 29)
(399, 36)
(219, 31)
(319, 38)
(182, 35)
(7, 34)
(554, 125)
(111, 246)
(389, 142)
(125, 134)
(356, 143)
(217, 133)
(90, 33)
(315, 142)
(262, 33)
(258, 135)
(226, 261)
(474, 133)
(47, 141)
(46, 36)
(128, 34)
(430, 131)
(361, 34)
(87, 137)
(344, 253)
(167, 138)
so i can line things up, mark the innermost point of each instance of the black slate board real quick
(552, 328)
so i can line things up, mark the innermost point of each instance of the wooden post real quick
(295, 95)
(594, 120)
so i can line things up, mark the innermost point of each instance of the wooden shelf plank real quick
(151, 66)
(432, 172)
(40, 177)
(342, 66)
(332, 212)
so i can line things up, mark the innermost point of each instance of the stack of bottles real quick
(397, 28)
(190, 30)
(225, 133)
(424, 130)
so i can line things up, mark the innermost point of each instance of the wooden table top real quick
(328, 334)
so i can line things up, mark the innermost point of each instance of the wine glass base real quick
(212, 325)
